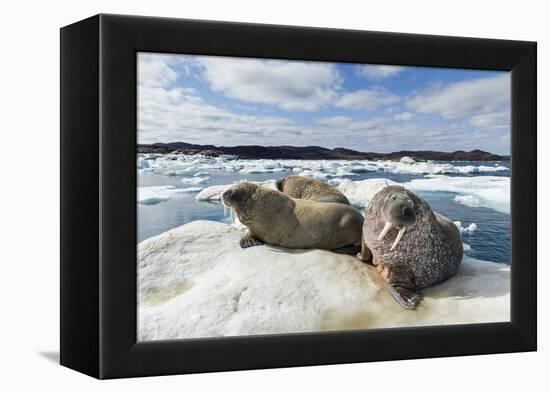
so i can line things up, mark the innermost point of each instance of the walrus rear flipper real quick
(403, 288)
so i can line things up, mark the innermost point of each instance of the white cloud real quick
(379, 72)
(154, 70)
(334, 121)
(292, 86)
(370, 100)
(168, 113)
(404, 116)
(484, 102)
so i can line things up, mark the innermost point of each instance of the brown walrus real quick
(275, 218)
(411, 246)
(312, 189)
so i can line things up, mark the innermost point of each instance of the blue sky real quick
(237, 101)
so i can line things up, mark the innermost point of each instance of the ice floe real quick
(486, 191)
(359, 193)
(469, 229)
(195, 281)
(157, 194)
(194, 180)
(179, 164)
(214, 193)
(142, 163)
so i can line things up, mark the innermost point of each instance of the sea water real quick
(488, 240)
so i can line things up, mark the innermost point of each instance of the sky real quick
(229, 101)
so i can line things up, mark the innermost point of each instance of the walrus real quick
(312, 189)
(275, 218)
(412, 246)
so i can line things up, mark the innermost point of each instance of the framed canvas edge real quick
(119, 353)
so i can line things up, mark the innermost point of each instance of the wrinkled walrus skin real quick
(275, 218)
(311, 189)
(429, 251)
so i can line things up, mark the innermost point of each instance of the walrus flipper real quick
(249, 240)
(403, 288)
(365, 255)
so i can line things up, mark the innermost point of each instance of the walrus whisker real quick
(398, 238)
(386, 229)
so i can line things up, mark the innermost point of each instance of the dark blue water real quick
(491, 240)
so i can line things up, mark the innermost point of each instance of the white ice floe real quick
(214, 193)
(191, 189)
(468, 200)
(195, 281)
(142, 163)
(407, 160)
(487, 191)
(194, 180)
(179, 165)
(157, 194)
(359, 193)
(469, 229)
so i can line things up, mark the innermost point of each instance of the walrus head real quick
(398, 211)
(239, 197)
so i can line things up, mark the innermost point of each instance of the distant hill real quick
(314, 152)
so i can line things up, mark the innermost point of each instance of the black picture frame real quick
(98, 196)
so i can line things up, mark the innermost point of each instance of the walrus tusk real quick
(224, 209)
(232, 215)
(386, 229)
(399, 236)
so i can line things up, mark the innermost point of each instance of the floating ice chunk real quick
(195, 281)
(157, 194)
(336, 181)
(407, 160)
(468, 230)
(195, 180)
(191, 189)
(256, 170)
(468, 200)
(214, 193)
(491, 191)
(201, 174)
(142, 163)
(466, 247)
(180, 172)
(361, 192)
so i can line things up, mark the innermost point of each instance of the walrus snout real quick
(228, 195)
(401, 211)
(399, 214)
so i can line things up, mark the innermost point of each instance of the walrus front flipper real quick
(249, 240)
(365, 255)
(403, 288)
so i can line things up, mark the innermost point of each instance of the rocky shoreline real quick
(312, 153)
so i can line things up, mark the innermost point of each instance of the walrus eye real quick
(393, 197)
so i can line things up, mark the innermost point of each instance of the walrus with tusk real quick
(275, 218)
(412, 246)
